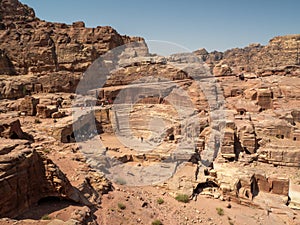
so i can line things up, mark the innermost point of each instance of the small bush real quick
(160, 201)
(182, 198)
(121, 206)
(36, 120)
(157, 222)
(220, 211)
(46, 150)
(46, 217)
(120, 181)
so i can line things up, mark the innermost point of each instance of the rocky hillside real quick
(280, 51)
(30, 46)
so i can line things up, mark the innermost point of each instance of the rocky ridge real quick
(280, 52)
(53, 55)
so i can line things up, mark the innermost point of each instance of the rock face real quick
(28, 105)
(244, 186)
(44, 111)
(28, 177)
(228, 144)
(264, 99)
(256, 81)
(246, 137)
(34, 46)
(58, 53)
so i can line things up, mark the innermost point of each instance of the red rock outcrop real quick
(11, 129)
(26, 177)
(57, 53)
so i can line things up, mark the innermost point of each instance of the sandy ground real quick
(142, 208)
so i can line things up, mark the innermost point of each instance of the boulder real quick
(58, 114)
(44, 111)
(11, 128)
(78, 24)
(222, 70)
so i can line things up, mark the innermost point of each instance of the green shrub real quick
(182, 198)
(157, 222)
(36, 120)
(120, 181)
(160, 201)
(121, 206)
(220, 211)
(46, 217)
(46, 150)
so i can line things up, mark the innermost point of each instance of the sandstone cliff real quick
(54, 54)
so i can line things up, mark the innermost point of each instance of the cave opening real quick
(208, 184)
(49, 199)
(56, 201)
(46, 206)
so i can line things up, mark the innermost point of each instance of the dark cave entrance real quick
(49, 199)
(201, 186)
(46, 206)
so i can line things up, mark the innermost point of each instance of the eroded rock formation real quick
(54, 55)
(27, 177)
